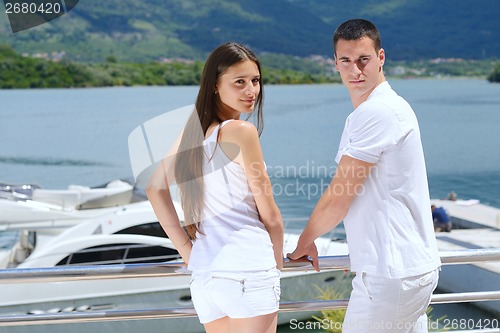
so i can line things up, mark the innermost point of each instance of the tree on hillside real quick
(495, 75)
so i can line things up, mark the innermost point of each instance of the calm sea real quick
(59, 137)
(79, 136)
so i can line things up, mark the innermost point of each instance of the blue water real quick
(59, 137)
(79, 136)
(459, 122)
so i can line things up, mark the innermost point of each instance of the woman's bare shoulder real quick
(239, 132)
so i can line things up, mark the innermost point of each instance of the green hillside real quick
(17, 71)
(422, 29)
(147, 30)
(142, 31)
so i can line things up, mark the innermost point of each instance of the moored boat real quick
(132, 236)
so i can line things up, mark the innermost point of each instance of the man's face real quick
(359, 65)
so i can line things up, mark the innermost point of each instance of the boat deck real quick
(463, 239)
(476, 226)
(470, 213)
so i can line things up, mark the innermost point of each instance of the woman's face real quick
(239, 87)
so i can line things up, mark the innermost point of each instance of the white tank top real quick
(234, 238)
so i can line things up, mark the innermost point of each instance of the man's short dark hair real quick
(355, 29)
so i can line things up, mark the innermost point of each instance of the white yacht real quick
(23, 205)
(130, 235)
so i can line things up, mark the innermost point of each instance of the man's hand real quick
(305, 253)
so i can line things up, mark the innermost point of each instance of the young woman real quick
(234, 239)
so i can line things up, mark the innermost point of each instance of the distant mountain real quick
(132, 30)
(422, 29)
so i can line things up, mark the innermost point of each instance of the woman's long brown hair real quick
(189, 159)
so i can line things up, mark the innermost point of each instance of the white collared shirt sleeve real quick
(369, 131)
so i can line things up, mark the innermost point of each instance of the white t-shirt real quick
(234, 238)
(389, 225)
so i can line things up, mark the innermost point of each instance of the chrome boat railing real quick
(59, 274)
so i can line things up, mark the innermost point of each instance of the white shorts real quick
(379, 304)
(235, 294)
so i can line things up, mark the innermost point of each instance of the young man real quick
(380, 191)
